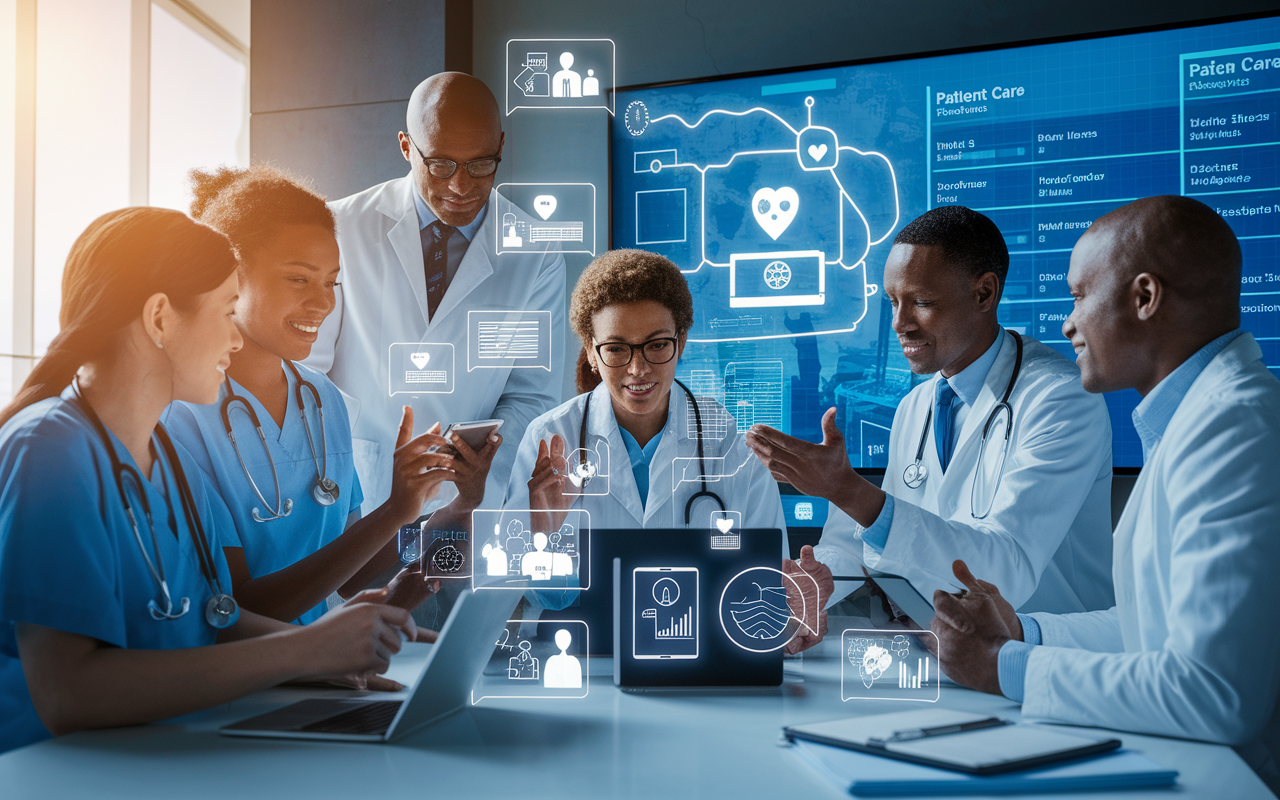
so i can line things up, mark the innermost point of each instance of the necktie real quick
(944, 395)
(435, 254)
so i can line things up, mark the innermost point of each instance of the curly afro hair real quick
(248, 205)
(625, 276)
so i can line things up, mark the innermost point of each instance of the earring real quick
(160, 345)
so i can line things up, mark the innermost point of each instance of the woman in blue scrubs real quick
(113, 606)
(293, 493)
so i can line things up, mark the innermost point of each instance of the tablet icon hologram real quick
(665, 606)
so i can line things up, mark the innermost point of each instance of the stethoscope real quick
(917, 473)
(324, 491)
(221, 610)
(702, 470)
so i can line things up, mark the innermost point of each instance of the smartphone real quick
(475, 434)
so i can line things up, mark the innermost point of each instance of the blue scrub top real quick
(273, 545)
(68, 556)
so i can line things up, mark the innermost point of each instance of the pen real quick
(941, 730)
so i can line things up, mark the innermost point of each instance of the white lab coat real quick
(383, 300)
(1191, 648)
(751, 490)
(1047, 540)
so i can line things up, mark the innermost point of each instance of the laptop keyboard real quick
(367, 718)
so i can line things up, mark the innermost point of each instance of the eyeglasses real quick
(655, 351)
(442, 168)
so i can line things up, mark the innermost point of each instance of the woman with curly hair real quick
(277, 444)
(632, 310)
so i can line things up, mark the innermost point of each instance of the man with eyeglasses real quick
(418, 258)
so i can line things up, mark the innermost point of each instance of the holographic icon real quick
(876, 657)
(563, 670)
(774, 209)
(763, 613)
(448, 559)
(523, 666)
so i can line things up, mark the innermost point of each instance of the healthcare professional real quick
(277, 445)
(418, 257)
(1190, 648)
(629, 431)
(115, 604)
(1002, 458)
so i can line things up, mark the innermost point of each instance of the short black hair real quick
(969, 240)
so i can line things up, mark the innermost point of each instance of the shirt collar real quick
(1152, 415)
(639, 456)
(968, 382)
(426, 216)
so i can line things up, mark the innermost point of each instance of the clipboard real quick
(975, 744)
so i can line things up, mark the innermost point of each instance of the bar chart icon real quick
(889, 665)
(681, 628)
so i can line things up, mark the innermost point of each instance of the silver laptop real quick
(443, 687)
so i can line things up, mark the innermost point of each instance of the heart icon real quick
(817, 151)
(544, 205)
(419, 359)
(725, 524)
(774, 209)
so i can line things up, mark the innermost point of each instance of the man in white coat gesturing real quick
(944, 277)
(1190, 649)
(418, 255)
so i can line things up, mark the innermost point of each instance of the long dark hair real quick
(121, 259)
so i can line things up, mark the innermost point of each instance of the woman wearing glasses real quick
(632, 309)
(277, 444)
(115, 604)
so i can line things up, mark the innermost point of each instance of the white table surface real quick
(609, 744)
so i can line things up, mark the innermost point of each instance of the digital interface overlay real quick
(779, 196)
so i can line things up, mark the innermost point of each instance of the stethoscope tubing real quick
(916, 473)
(702, 469)
(324, 488)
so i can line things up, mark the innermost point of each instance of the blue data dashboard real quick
(779, 195)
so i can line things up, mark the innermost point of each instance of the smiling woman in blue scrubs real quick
(293, 493)
(112, 579)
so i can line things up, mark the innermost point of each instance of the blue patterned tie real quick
(435, 254)
(943, 397)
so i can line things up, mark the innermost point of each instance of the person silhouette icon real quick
(495, 558)
(591, 86)
(566, 82)
(538, 564)
(563, 670)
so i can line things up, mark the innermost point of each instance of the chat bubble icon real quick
(878, 664)
(508, 340)
(420, 368)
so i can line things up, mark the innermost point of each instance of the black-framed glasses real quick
(442, 168)
(655, 351)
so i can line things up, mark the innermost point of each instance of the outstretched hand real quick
(547, 486)
(971, 628)
(818, 470)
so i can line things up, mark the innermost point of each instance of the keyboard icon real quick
(426, 376)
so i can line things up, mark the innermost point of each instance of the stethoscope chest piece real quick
(221, 611)
(915, 475)
(325, 491)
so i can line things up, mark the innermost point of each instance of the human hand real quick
(416, 474)
(410, 588)
(816, 586)
(818, 470)
(471, 470)
(354, 640)
(547, 486)
(971, 630)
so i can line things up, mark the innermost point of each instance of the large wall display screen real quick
(779, 196)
